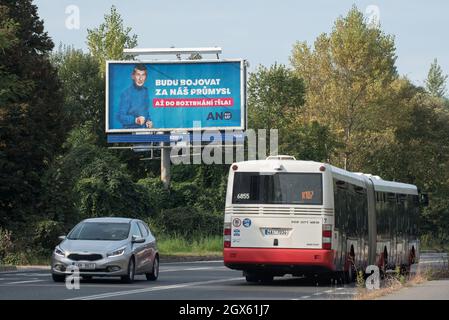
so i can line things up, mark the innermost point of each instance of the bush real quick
(159, 197)
(187, 222)
(46, 233)
(6, 244)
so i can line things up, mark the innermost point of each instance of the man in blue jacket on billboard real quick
(134, 108)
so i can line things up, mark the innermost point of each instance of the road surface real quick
(209, 280)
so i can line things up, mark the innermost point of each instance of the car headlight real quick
(117, 252)
(59, 252)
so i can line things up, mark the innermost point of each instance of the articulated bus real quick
(285, 216)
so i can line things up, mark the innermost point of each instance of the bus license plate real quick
(275, 231)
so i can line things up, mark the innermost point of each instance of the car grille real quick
(85, 257)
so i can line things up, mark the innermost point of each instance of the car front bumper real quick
(111, 266)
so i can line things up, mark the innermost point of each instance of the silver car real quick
(107, 247)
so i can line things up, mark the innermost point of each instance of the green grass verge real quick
(177, 245)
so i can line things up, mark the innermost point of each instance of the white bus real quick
(285, 216)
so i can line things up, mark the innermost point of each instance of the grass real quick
(168, 246)
(177, 245)
(389, 285)
(396, 281)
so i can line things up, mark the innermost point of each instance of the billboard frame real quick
(243, 102)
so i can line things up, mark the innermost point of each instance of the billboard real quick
(143, 96)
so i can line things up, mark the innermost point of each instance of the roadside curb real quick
(7, 268)
(168, 258)
(163, 259)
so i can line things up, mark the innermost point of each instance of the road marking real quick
(305, 297)
(28, 281)
(345, 293)
(194, 269)
(318, 293)
(191, 262)
(175, 286)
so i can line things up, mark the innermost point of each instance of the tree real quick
(82, 86)
(436, 81)
(275, 99)
(31, 126)
(274, 94)
(108, 40)
(347, 75)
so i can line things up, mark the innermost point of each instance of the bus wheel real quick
(266, 278)
(349, 275)
(412, 257)
(251, 277)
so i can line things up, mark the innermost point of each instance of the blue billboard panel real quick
(175, 95)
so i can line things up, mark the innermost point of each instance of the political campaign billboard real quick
(175, 95)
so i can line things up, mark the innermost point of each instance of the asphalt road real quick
(177, 281)
(202, 280)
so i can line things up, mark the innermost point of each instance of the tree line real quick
(340, 100)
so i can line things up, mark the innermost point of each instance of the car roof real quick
(110, 219)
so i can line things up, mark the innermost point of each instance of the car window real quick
(135, 231)
(143, 229)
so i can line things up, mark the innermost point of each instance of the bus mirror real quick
(424, 199)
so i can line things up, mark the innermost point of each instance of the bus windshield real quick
(277, 188)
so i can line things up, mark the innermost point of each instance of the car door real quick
(137, 248)
(148, 253)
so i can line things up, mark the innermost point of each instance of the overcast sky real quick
(262, 32)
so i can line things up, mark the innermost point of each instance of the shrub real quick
(6, 244)
(187, 222)
(46, 234)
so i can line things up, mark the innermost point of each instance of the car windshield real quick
(100, 231)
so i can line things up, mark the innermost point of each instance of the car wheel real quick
(129, 278)
(58, 277)
(155, 273)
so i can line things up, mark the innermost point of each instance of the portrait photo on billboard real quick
(175, 95)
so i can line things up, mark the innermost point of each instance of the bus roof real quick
(357, 178)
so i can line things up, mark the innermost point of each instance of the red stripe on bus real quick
(302, 257)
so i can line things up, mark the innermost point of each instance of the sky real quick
(262, 32)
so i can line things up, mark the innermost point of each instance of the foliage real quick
(275, 99)
(108, 40)
(46, 233)
(6, 243)
(436, 80)
(342, 102)
(31, 126)
(203, 245)
(187, 222)
(83, 88)
(346, 75)
(105, 189)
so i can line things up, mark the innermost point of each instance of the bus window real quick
(277, 188)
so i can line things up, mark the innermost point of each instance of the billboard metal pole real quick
(165, 164)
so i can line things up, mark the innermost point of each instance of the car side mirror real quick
(424, 199)
(136, 239)
(62, 238)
